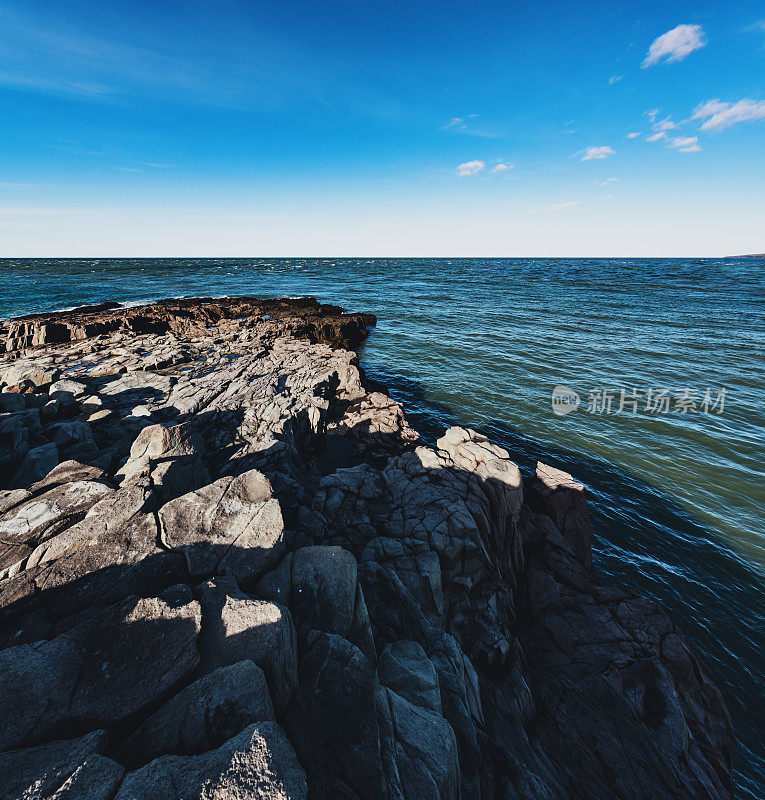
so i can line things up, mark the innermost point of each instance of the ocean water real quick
(665, 356)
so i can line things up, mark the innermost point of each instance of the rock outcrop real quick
(228, 569)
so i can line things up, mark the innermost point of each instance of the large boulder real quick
(319, 585)
(204, 715)
(170, 458)
(258, 764)
(100, 672)
(159, 441)
(405, 668)
(72, 769)
(332, 720)
(233, 526)
(38, 463)
(68, 434)
(236, 627)
(425, 751)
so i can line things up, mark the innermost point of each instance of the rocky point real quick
(230, 569)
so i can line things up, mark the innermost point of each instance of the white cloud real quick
(719, 115)
(596, 151)
(609, 180)
(553, 208)
(661, 127)
(502, 167)
(675, 44)
(685, 144)
(470, 168)
(609, 197)
(614, 79)
(455, 123)
(633, 135)
(665, 125)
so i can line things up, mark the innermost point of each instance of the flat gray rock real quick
(232, 526)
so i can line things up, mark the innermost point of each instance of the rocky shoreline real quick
(231, 569)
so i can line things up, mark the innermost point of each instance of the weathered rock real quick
(204, 715)
(405, 668)
(68, 471)
(72, 769)
(425, 751)
(14, 445)
(12, 401)
(157, 441)
(25, 526)
(332, 720)
(73, 388)
(233, 526)
(66, 434)
(28, 371)
(110, 554)
(236, 627)
(257, 764)
(38, 462)
(558, 495)
(303, 317)
(99, 672)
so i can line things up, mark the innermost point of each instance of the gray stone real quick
(158, 441)
(62, 770)
(68, 471)
(232, 526)
(557, 494)
(204, 715)
(12, 401)
(236, 627)
(50, 410)
(38, 462)
(332, 721)
(66, 434)
(26, 525)
(405, 668)
(426, 751)
(98, 673)
(14, 445)
(29, 371)
(74, 388)
(258, 764)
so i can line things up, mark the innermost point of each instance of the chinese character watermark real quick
(652, 401)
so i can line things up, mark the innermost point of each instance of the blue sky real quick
(366, 128)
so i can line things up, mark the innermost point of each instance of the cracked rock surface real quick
(230, 569)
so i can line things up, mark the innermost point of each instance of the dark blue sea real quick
(660, 365)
